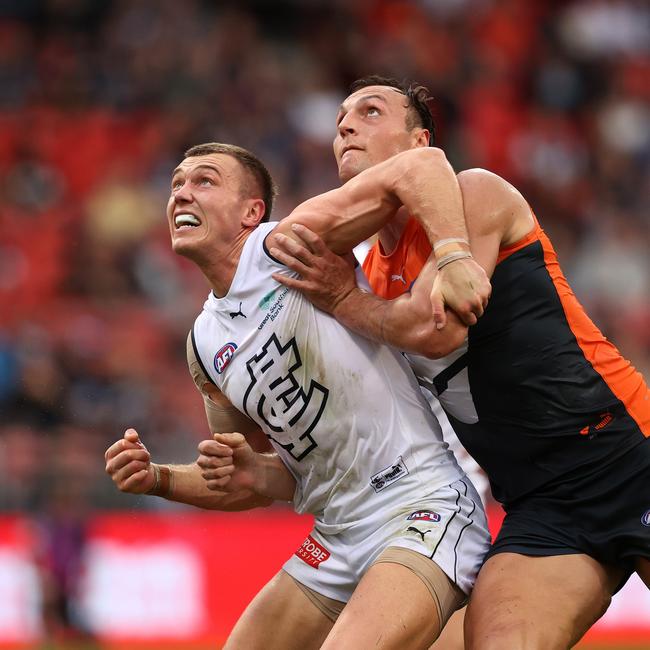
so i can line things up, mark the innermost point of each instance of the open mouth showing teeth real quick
(186, 220)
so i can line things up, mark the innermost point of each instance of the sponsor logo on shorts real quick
(424, 515)
(592, 429)
(224, 357)
(645, 519)
(312, 552)
(381, 480)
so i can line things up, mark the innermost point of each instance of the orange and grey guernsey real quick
(551, 394)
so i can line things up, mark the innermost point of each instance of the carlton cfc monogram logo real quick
(288, 403)
(224, 357)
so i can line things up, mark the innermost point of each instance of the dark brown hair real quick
(260, 181)
(418, 96)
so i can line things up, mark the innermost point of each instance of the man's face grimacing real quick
(209, 204)
(371, 126)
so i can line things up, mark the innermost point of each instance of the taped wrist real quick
(451, 249)
(163, 481)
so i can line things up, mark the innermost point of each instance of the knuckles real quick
(210, 447)
(213, 462)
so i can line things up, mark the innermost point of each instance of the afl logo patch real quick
(645, 519)
(224, 357)
(424, 515)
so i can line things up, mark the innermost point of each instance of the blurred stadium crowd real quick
(99, 98)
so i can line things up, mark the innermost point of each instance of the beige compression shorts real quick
(447, 597)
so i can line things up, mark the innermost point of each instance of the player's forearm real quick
(273, 479)
(402, 323)
(426, 184)
(186, 485)
(420, 179)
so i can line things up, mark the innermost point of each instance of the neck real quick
(220, 266)
(390, 234)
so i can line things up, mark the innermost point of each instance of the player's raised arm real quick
(420, 179)
(425, 183)
(496, 213)
(329, 282)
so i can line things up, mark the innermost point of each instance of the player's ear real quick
(421, 137)
(255, 211)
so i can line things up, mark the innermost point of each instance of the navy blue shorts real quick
(604, 513)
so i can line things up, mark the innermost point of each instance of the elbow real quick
(442, 349)
(265, 502)
(433, 343)
(417, 164)
(252, 503)
(413, 159)
(427, 158)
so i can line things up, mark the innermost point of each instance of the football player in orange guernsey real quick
(548, 407)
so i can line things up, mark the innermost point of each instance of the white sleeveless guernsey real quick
(345, 414)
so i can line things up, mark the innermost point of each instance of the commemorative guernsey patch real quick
(645, 519)
(424, 515)
(381, 480)
(312, 552)
(224, 357)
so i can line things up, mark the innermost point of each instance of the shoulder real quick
(491, 189)
(493, 204)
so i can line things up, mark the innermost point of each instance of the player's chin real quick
(351, 168)
(347, 172)
(183, 244)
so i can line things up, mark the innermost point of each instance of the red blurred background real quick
(98, 100)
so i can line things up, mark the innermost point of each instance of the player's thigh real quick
(642, 567)
(537, 603)
(280, 617)
(390, 608)
(452, 637)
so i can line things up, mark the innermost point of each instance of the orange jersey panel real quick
(392, 275)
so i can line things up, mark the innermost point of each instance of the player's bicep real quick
(223, 417)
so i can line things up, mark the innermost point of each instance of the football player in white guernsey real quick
(399, 531)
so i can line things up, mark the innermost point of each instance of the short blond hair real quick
(261, 184)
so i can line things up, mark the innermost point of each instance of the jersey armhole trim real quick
(266, 251)
(529, 238)
(507, 251)
(198, 356)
